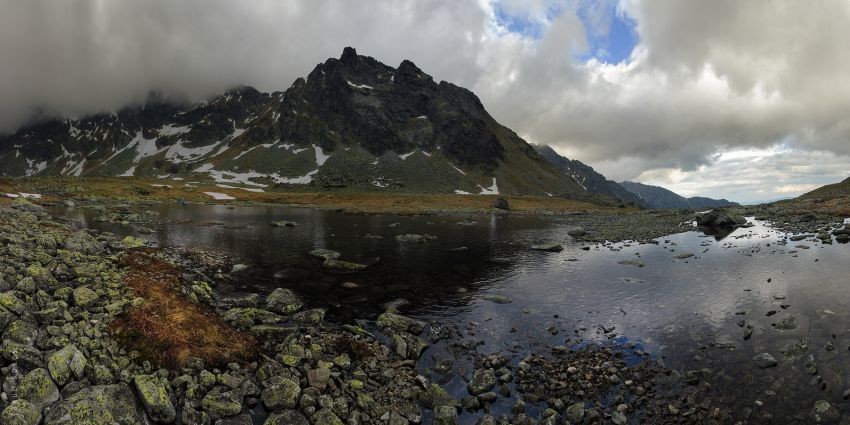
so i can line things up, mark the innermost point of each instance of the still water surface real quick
(686, 312)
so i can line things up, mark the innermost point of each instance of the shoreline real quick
(306, 368)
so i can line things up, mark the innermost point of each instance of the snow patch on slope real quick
(492, 190)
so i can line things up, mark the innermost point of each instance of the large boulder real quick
(720, 219)
(37, 388)
(501, 203)
(20, 412)
(98, 405)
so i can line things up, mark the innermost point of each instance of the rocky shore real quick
(98, 330)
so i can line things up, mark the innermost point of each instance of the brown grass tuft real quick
(168, 328)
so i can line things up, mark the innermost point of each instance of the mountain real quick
(830, 191)
(352, 124)
(661, 198)
(587, 177)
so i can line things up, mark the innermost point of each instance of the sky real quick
(747, 101)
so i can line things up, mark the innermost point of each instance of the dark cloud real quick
(706, 76)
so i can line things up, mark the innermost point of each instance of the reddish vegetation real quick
(168, 328)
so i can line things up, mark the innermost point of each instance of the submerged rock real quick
(325, 254)
(764, 360)
(548, 247)
(414, 238)
(284, 223)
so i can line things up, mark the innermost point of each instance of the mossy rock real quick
(65, 363)
(155, 398)
(131, 242)
(97, 405)
(309, 317)
(281, 392)
(20, 412)
(287, 417)
(325, 417)
(38, 388)
(224, 404)
(21, 331)
(84, 297)
(284, 301)
(12, 303)
(24, 355)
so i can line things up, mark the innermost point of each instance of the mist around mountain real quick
(352, 123)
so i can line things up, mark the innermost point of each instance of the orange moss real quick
(168, 328)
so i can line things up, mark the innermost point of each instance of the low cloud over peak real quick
(643, 85)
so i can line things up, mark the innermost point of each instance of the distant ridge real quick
(588, 178)
(661, 198)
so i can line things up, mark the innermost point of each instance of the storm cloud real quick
(703, 78)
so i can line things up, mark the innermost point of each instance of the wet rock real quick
(498, 299)
(683, 255)
(635, 263)
(549, 247)
(97, 405)
(340, 265)
(501, 203)
(309, 317)
(576, 231)
(284, 301)
(721, 219)
(20, 412)
(483, 380)
(413, 238)
(283, 223)
(764, 360)
(824, 412)
(445, 415)
(325, 254)
(795, 349)
(155, 398)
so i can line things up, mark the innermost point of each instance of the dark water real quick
(684, 312)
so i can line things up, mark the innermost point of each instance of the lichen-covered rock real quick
(398, 323)
(222, 404)
(37, 388)
(325, 417)
(21, 331)
(284, 301)
(83, 242)
(10, 302)
(281, 392)
(20, 412)
(24, 355)
(309, 317)
(67, 362)
(287, 417)
(155, 398)
(483, 380)
(445, 415)
(97, 405)
(245, 317)
(84, 297)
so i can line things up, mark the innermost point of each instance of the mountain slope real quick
(661, 198)
(830, 191)
(587, 177)
(353, 123)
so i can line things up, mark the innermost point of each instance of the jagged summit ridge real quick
(352, 123)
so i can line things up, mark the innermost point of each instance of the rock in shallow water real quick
(764, 360)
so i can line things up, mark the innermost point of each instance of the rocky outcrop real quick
(720, 219)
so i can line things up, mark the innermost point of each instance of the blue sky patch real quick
(611, 36)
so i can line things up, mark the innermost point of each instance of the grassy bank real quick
(167, 190)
